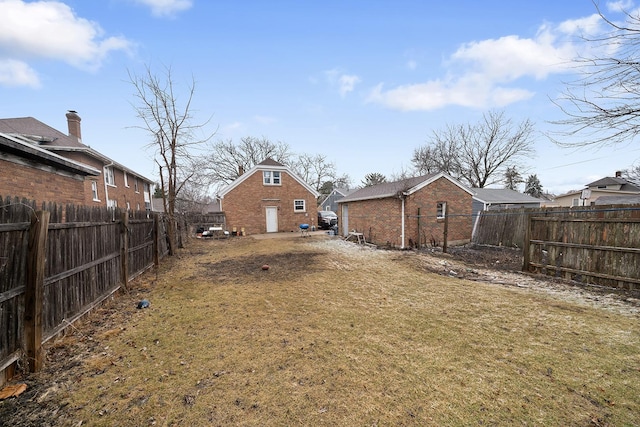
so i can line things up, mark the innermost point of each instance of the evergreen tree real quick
(533, 187)
(512, 178)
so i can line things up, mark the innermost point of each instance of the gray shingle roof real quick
(41, 133)
(502, 196)
(270, 162)
(625, 184)
(618, 200)
(386, 189)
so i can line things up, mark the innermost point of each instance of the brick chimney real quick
(240, 170)
(73, 121)
(618, 174)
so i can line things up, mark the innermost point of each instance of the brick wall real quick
(381, 219)
(118, 192)
(245, 205)
(458, 209)
(40, 185)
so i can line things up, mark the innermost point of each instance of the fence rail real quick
(50, 276)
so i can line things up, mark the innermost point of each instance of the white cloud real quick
(621, 5)
(233, 126)
(265, 120)
(17, 73)
(347, 83)
(489, 73)
(412, 65)
(344, 82)
(51, 30)
(166, 7)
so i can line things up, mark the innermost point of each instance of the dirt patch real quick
(250, 268)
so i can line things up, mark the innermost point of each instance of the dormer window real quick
(271, 177)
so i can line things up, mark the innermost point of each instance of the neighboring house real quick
(485, 199)
(330, 201)
(409, 212)
(609, 186)
(115, 185)
(268, 198)
(29, 171)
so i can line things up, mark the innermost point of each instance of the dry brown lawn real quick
(337, 334)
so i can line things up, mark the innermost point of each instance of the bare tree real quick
(314, 169)
(476, 153)
(174, 140)
(603, 105)
(228, 159)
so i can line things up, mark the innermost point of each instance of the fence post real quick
(156, 240)
(34, 290)
(124, 250)
(526, 246)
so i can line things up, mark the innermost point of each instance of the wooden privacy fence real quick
(595, 245)
(504, 227)
(53, 272)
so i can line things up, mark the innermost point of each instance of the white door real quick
(345, 220)
(272, 219)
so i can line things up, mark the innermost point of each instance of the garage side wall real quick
(381, 219)
(378, 219)
(245, 206)
(458, 208)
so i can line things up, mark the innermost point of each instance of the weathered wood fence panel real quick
(592, 245)
(504, 227)
(15, 215)
(82, 266)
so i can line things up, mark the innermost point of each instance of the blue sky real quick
(364, 82)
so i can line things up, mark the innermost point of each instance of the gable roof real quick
(625, 185)
(340, 192)
(404, 186)
(270, 162)
(267, 165)
(41, 134)
(502, 196)
(24, 148)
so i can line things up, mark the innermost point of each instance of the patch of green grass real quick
(333, 339)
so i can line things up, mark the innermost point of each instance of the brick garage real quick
(377, 211)
(245, 201)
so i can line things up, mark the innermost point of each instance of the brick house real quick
(114, 186)
(29, 171)
(410, 212)
(268, 198)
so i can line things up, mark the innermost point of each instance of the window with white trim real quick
(94, 191)
(126, 179)
(271, 177)
(441, 210)
(299, 205)
(135, 184)
(112, 204)
(108, 176)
